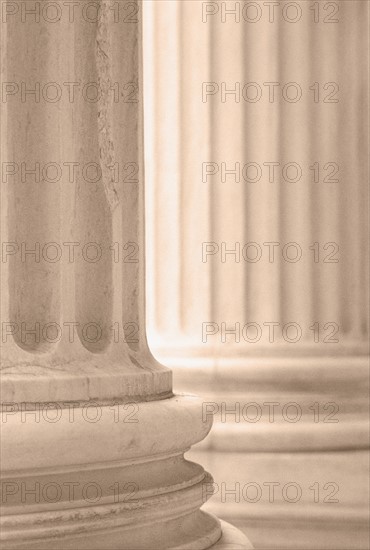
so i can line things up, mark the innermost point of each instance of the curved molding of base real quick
(116, 484)
(105, 378)
(90, 434)
(232, 539)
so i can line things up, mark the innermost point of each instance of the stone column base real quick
(119, 482)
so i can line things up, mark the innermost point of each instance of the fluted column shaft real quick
(73, 243)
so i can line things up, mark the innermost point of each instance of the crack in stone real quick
(106, 145)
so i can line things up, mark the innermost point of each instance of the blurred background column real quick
(261, 238)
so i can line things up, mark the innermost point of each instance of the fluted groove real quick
(195, 139)
(33, 283)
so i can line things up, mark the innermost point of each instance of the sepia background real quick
(255, 266)
(256, 159)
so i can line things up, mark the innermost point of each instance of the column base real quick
(112, 478)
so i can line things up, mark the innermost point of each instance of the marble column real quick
(93, 438)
